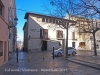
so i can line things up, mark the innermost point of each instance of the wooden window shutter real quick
(41, 33)
(45, 33)
(59, 34)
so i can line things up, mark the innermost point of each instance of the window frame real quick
(2, 8)
(43, 19)
(44, 33)
(59, 34)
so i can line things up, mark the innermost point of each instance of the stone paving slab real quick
(37, 62)
(90, 61)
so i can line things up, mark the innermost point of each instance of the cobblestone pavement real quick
(34, 64)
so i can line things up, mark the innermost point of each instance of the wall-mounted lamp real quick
(15, 20)
(15, 23)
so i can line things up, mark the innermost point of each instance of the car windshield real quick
(59, 48)
(70, 48)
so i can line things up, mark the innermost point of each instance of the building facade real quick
(43, 32)
(12, 26)
(4, 30)
(85, 39)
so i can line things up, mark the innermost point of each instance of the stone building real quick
(43, 32)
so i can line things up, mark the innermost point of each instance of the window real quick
(53, 20)
(47, 20)
(59, 22)
(1, 10)
(1, 53)
(1, 48)
(56, 21)
(43, 19)
(43, 33)
(9, 35)
(73, 44)
(97, 46)
(59, 34)
(82, 44)
(73, 35)
(65, 23)
(59, 43)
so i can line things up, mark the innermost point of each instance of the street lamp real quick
(15, 20)
(15, 23)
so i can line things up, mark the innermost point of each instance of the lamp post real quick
(15, 21)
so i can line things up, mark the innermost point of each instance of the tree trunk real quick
(95, 51)
(67, 41)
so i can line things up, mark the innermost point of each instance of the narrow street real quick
(34, 64)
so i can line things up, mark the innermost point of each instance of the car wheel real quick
(74, 53)
(59, 54)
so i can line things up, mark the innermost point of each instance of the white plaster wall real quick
(54, 44)
(35, 24)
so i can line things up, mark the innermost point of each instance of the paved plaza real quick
(42, 63)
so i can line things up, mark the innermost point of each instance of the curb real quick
(88, 64)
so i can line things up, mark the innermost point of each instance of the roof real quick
(35, 14)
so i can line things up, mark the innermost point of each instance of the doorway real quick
(73, 44)
(1, 48)
(44, 46)
(5, 51)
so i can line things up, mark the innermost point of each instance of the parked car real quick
(59, 52)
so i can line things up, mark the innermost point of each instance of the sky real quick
(23, 6)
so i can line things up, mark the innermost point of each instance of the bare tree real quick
(63, 7)
(87, 9)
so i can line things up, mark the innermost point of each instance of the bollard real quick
(28, 58)
(17, 54)
(43, 57)
(53, 53)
